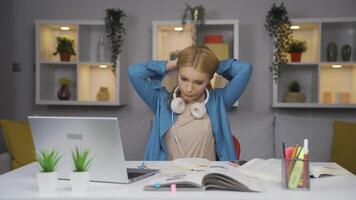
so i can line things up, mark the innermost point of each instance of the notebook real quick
(101, 135)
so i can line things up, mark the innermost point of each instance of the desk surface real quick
(22, 184)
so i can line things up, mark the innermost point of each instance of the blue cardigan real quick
(146, 79)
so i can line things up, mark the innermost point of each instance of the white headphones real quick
(198, 110)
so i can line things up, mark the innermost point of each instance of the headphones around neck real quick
(198, 109)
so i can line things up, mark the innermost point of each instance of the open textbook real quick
(270, 169)
(205, 176)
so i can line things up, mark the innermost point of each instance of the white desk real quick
(22, 184)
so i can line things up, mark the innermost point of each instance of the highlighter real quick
(297, 171)
(305, 167)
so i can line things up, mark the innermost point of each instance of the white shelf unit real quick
(166, 40)
(83, 68)
(322, 85)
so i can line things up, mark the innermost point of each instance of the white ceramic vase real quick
(47, 182)
(79, 181)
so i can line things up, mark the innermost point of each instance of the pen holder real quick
(295, 174)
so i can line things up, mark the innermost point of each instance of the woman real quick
(192, 121)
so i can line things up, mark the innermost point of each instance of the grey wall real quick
(252, 121)
(6, 77)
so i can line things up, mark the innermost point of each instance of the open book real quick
(270, 169)
(215, 176)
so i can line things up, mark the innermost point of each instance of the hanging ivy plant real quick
(197, 16)
(115, 29)
(278, 26)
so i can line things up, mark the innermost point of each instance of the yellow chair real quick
(343, 146)
(18, 139)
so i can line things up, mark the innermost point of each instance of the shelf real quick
(85, 70)
(306, 75)
(309, 32)
(341, 33)
(338, 85)
(312, 105)
(323, 84)
(167, 41)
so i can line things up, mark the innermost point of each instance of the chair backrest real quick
(237, 146)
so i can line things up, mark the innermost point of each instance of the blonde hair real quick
(200, 58)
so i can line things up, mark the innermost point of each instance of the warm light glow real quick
(336, 66)
(178, 28)
(294, 27)
(103, 66)
(65, 28)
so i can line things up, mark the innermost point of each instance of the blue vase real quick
(331, 52)
(346, 52)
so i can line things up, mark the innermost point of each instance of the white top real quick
(21, 184)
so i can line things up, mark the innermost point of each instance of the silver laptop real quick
(98, 134)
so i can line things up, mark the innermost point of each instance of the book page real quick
(320, 169)
(183, 181)
(221, 175)
(269, 169)
(193, 163)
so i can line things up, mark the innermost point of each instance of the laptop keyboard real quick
(132, 175)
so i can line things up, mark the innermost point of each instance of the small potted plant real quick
(294, 94)
(47, 177)
(296, 48)
(65, 48)
(80, 175)
(64, 92)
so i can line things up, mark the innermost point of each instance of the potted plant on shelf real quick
(294, 94)
(197, 17)
(115, 29)
(65, 48)
(80, 175)
(64, 92)
(47, 177)
(296, 48)
(278, 26)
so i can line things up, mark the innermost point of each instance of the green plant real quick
(48, 160)
(64, 81)
(115, 29)
(197, 17)
(294, 86)
(297, 46)
(81, 160)
(278, 26)
(64, 45)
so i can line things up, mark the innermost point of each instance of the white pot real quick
(47, 182)
(79, 181)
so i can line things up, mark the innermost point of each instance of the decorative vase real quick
(47, 182)
(295, 97)
(295, 56)
(64, 92)
(79, 181)
(346, 52)
(103, 94)
(64, 57)
(331, 52)
(100, 51)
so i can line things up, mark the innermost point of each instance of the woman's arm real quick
(146, 78)
(238, 73)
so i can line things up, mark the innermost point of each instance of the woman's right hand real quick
(171, 65)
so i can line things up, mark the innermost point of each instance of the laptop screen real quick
(101, 135)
